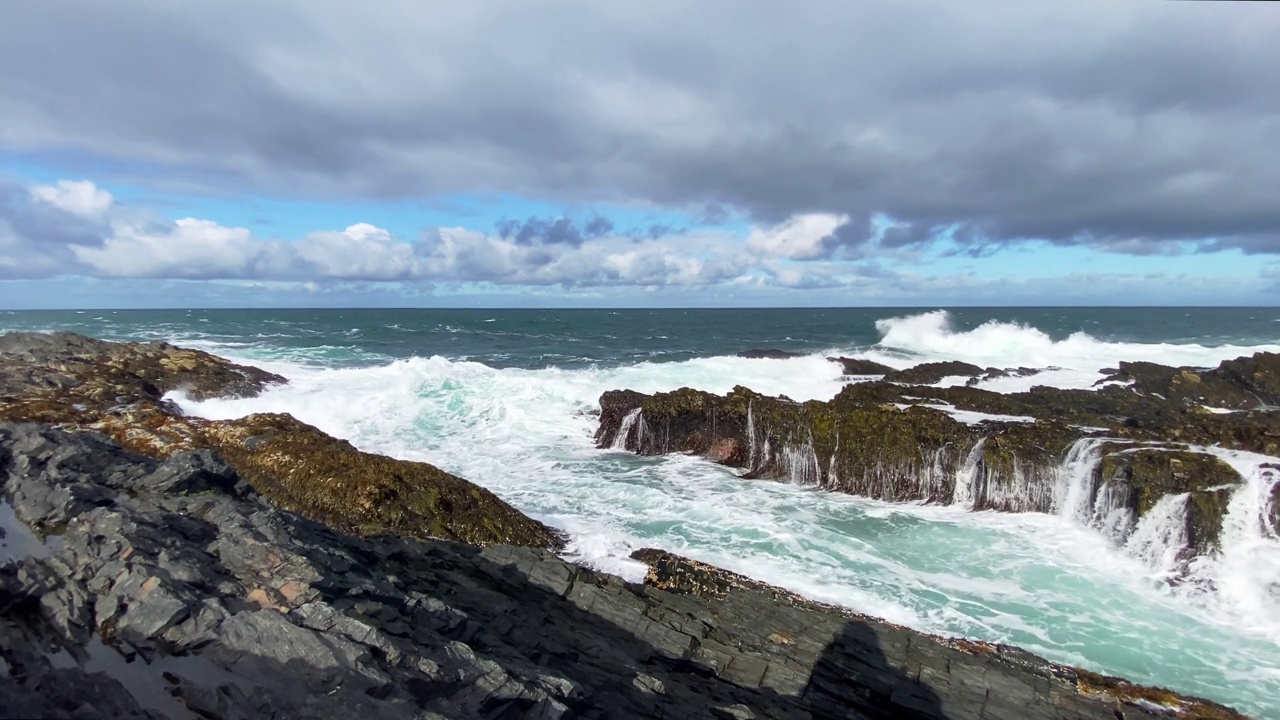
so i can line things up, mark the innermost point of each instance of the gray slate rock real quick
(170, 592)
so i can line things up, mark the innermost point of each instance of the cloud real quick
(361, 252)
(40, 225)
(1094, 122)
(802, 237)
(81, 197)
(554, 230)
(810, 258)
(45, 231)
(191, 248)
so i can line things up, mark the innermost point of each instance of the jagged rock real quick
(767, 354)
(218, 605)
(97, 370)
(859, 366)
(881, 440)
(1145, 475)
(1240, 384)
(932, 372)
(118, 389)
(996, 373)
(851, 444)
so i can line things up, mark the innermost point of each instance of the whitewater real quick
(1059, 585)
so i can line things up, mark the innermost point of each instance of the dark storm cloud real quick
(1123, 125)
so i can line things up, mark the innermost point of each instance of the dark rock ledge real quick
(896, 442)
(137, 587)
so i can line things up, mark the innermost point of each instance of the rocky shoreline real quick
(1108, 457)
(155, 565)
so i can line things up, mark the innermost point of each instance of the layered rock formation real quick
(1106, 457)
(137, 587)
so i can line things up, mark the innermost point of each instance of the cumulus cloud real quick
(822, 256)
(803, 237)
(190, 248)
(78, 197)
(1096, 122)
(362, 251)
(44, 232)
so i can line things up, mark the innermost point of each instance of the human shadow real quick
(855, 678)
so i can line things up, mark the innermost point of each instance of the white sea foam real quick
(931, 336)
(968, 417)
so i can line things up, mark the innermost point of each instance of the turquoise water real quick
(500, 397)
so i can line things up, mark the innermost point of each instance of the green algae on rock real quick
(887, 441)
(303, 470)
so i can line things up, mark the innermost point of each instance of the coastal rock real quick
(859, 366)
(1239, 384)
(932, 372)
(118, 389)
(154, 601)
(992, 373)
(94, 369)
(1143, 476)
(768, 354)
(884, 441)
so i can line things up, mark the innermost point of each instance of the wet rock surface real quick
(857, 366)
(767, 354)
(893, 440)
(119, 389)
(932, 372)
(171, 588)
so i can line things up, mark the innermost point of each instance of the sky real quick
(591, 153)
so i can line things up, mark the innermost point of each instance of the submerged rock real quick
(171, 589)
(119, 388)
(768, 354)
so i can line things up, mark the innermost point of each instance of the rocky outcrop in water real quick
(137, 587)
(119, 389)
(1240, 384)
(859, 366)
(1041, 450)
(932, 372)
(767, 354)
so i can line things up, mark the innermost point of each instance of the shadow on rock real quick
(854, 658)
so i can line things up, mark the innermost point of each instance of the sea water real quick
(504, 398)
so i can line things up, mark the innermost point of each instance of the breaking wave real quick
(932, 336)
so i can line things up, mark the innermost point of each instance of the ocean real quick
(504, 399)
